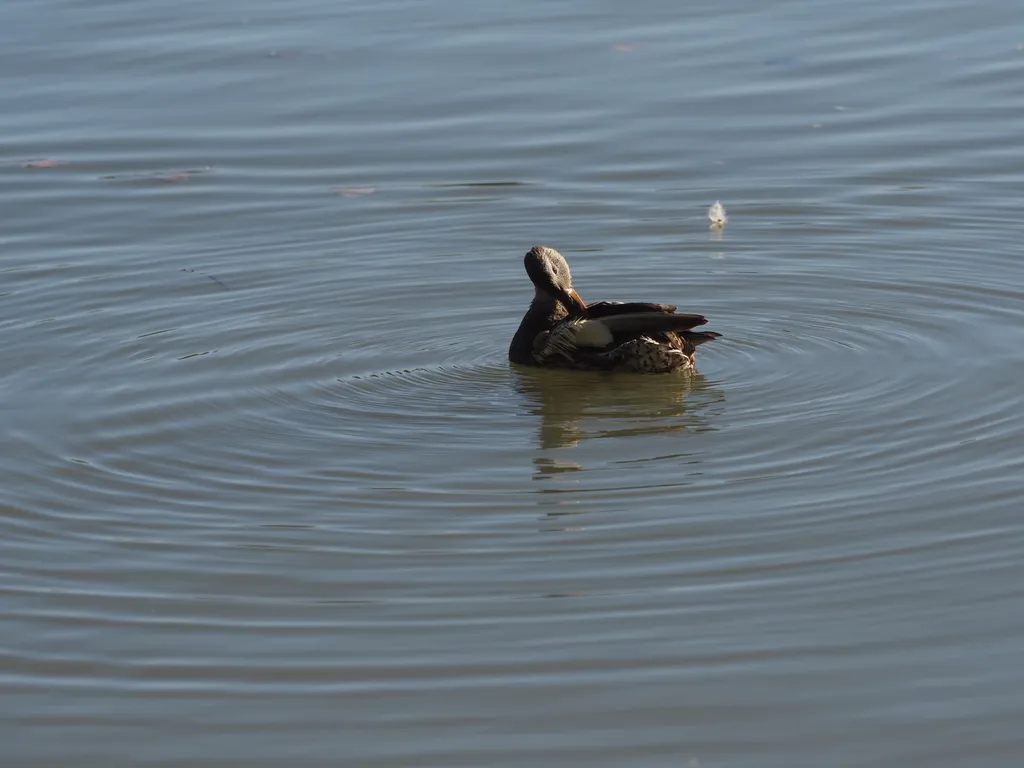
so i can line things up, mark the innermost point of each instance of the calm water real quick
(271, 494)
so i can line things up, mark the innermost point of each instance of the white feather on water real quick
(717, 215)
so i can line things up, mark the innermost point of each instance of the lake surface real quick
(272, 495)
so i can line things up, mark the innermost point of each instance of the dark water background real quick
(270, 493)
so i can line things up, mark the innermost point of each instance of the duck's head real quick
(550, 275)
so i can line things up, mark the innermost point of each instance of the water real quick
(272, 495)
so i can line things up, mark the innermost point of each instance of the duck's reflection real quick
(576, 405)
(575, 409)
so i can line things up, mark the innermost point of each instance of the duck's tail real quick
(699, 337)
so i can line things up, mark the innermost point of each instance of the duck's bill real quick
(573, 302)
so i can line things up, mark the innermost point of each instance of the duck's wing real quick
(606, 308)
(576, 340)
(636, 323)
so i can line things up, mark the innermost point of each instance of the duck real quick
(559, 330)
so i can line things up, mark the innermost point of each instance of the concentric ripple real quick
(271, 493)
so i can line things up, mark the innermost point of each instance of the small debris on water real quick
(288, 53)
(211, 277)
(354, 191)
(45, 163)
(157, 177)
(717, 215)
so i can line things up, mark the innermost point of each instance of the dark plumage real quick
(560, 331)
